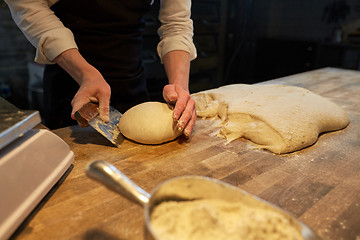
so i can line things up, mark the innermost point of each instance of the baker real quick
(98, 44)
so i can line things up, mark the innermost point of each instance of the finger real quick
(186, 115)
(169, 93)
(77, 103)
(191, 124)
(180, 106)
(104, 109)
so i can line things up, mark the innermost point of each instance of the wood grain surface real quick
(320, 185)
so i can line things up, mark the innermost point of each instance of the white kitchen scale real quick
(31, 162)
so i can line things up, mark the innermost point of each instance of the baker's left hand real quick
(184, 111)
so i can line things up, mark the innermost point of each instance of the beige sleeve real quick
(42, 28)
(176, 30)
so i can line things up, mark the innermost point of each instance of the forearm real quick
(93, 87)
(75, 65)
(177, 67)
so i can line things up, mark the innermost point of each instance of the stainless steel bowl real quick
(183, 188)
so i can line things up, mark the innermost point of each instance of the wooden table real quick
(320, 185)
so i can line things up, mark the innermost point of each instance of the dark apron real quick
(109, 36)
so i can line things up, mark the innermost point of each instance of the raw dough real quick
(149, 123)
(279, 118)
(213, 219)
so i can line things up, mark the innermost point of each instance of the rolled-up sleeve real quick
(42, 28)
(176, 30)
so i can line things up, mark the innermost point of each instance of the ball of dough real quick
(149, 123)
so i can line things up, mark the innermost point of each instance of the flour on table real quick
(279, 118)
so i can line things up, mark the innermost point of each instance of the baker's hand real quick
(184, 110)
(93, 88)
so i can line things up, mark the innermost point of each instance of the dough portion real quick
(149, 123)
(279, 118)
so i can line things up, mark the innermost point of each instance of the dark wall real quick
(276, 38)
(15, 53)
(238, 41)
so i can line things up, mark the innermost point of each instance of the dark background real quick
(238, 41)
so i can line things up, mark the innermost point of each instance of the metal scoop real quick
(185, 188)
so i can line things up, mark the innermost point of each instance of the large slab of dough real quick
(279, 118)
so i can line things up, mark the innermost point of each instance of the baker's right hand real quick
(93, 87)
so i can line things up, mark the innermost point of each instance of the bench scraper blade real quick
(89, 115)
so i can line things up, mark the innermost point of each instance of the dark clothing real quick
(109, 36)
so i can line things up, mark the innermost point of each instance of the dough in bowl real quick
(279, 118)
(149, 123)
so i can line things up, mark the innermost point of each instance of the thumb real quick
(169, 93)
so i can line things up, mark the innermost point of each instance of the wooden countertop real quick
(320, 185)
